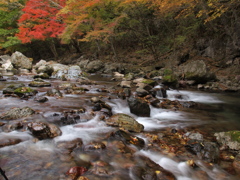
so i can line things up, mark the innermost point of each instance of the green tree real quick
(10, 10)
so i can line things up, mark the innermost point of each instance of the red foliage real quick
(39, 20)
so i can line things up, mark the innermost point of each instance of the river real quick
(31, 160)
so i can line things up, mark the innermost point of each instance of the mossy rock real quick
(149, 82)
(11, 88)
(167, 72)
(39, 83)
(25, 90)
(170, 80)
(235, 135)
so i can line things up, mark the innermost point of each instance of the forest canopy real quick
(106, 26)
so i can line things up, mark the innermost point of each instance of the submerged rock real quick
(128, 138)
(9, 141)
(54, 92)
(16, 113)
(125, 121)
(66, 147)
(41, 99)
(147, 169)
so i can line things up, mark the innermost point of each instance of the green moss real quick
(148, 81)
(23, 90)
(235, 135)
(167, 72)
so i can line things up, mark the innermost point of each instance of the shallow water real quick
(217, 112)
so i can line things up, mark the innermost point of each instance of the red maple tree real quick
(39, 20)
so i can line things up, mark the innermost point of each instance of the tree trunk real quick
(53, 48)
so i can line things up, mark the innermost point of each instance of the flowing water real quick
(30, 160)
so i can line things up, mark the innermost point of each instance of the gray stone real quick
(20, 61)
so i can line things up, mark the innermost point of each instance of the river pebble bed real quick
(175, 143)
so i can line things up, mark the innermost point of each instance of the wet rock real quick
(149, 170)
(66, 147)
(149, 82)
(13, 78)
(99, 104)
(128, 138)
(125, 121)
(20, 61)
(144, 86)
(168, 104)
(159, 92)
(41, 99)
(54, 92)
(139, 107)
(208, 151)
(76, 90)
(230, 139)
(13, 125)
(105, 113)
(9, 141)
(141, 92)
(155, 102)
(39, 83)
(70, 117)
(101, 168)
(25, 92)
(236, 164)
(188, 104)
(16, 113)
(42, 130)
(75, 172)
(10, 89)
(85, 81)
(41, 76)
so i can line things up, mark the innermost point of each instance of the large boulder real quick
(43, 130)
(20, 61)
(7, 65)
(198, 71)
(113, 67)
(139, 107)
(94, 66)
(16, 113)
(125, 121)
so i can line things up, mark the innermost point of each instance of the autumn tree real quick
(39, 22)
(91, 21)
(9, 13)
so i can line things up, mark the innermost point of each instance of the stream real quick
(38, 160)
